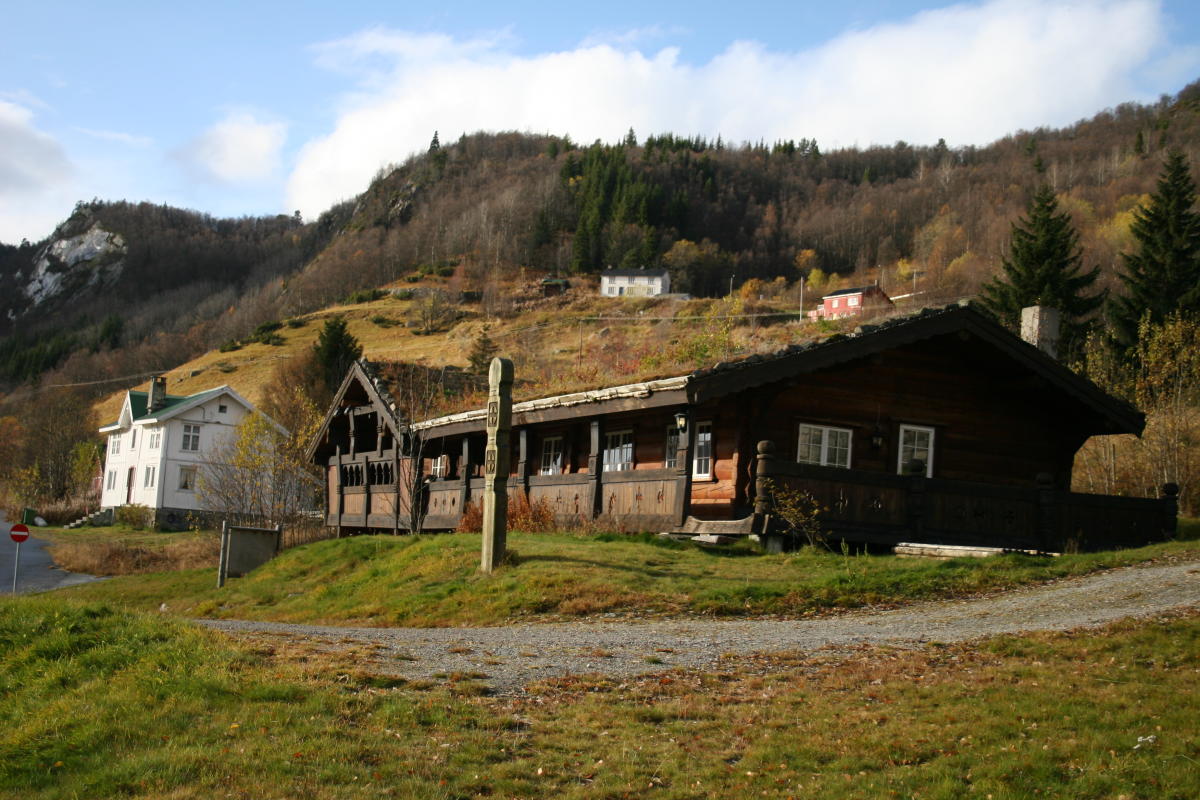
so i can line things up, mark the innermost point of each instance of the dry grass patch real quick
(115, 555)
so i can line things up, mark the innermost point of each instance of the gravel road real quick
(515, 655)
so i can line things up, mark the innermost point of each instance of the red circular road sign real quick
(19, 533)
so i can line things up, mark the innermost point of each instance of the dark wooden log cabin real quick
(941, 427)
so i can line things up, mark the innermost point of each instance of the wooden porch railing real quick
(883, 508)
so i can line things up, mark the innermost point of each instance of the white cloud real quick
(36, 178)
(119, 137)
(238, 149)
(969, 73)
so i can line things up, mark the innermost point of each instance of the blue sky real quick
(239, 108)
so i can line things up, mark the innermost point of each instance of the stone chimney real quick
(158, 394)
(1040, 327)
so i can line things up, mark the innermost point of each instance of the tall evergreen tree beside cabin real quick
(482, 352)
(1162, 275)
(1044, 267)
(336, 350)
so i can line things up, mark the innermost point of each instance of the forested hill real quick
(486, 209)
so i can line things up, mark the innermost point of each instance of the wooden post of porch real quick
(341, 494)
(523, 461)
(595, 468)
(683, 466)
(464, 471)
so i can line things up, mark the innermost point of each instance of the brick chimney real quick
(1040, 327)
(158, 394)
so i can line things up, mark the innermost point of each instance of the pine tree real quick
(1162, 275)
(336, 350)
(1044, 267)
(482, 352)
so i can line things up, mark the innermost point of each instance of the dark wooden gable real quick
(358, 417)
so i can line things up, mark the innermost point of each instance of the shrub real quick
(404, 294)
(799, 511)
(295, 322)
(535, 517)
(384, 322)
(135, 515)
(472, 519)
(230, 346)
(365, 296)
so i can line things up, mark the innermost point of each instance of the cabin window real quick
(835, 302)
(191, 437)
(618, 451)
(439, 466)
(112, 480)
(155, 438)
(703, 460)
(114, 444)
(148, 480)
(671, 457)
(187, 479)
(133, 439)
(552, 455)
(222, 408)
(824, 446)
(916, 442)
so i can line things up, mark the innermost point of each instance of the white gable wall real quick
(169, 457)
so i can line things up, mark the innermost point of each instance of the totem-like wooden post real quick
(495, 463)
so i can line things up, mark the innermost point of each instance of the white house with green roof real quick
(159, 444)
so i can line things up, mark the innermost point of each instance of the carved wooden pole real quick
(495, 463)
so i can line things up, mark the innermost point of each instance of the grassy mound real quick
(434, 581)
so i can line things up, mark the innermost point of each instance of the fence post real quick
(223, 558)
(595, 468)
(1170, 499)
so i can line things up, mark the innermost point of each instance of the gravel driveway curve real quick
(515, 655)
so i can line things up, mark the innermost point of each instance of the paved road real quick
(513, 655)
(37, 572)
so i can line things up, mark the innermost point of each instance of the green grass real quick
(434, 580)
(96, 702)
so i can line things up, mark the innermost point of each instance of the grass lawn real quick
(434, 580)
(96, 702)
(121, 550)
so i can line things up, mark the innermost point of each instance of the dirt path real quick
(513, 656)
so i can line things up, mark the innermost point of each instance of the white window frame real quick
(671, 457)
(132, 439)
(852, 301)
(439, 466)
(155, 438)
(900, 448)
(552, 456)
(222, 408)
(187, 479)
(112, 480)
(705, 450)
(618, 444)
(148, 480)
(191, 438)
(114, 444)
(826, 442)
(835, 302)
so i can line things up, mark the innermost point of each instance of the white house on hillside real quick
(634, 282)
(159, 443)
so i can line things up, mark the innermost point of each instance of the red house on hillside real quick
(851, 302)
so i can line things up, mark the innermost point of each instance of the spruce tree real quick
(1162, 275)
(336, 350)
(482, 352)
(1044, 267)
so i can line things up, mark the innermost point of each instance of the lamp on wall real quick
(877, 438)
(681, 420)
